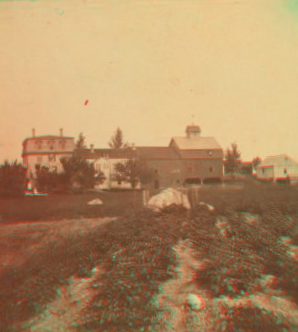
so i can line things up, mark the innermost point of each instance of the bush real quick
(12, 179)
(46, 180)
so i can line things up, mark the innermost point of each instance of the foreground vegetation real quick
(244, 253)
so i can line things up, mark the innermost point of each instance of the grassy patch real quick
(68, 206)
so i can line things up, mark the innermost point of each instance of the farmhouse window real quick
(51, 143)
(62, 144)
(39, 144)
(263, 171)
(52, 157)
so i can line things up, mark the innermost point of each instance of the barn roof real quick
(193, 129)
(123, 153)
(154, 152)
(196, 143)
(282, 160)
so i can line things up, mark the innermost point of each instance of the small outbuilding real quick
(278, 168)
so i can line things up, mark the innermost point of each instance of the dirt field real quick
(52, 271)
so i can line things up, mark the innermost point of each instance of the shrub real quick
(45, 179)
(12, 179)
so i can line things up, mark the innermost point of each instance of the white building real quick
(278, 168)
(104, 160)
(46, 150)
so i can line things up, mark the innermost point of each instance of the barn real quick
(187, 160)
(278, 168)
(192, 159)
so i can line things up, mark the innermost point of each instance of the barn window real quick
(211, 169)
(263, 171)
(285, 171)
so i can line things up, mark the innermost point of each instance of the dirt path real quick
(61, 314)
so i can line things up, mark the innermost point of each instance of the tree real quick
(256, 162)
(116, 141)
(232, 156)
(79, 173)
(133, 171)
(46, 179)
(80, 144)
(12, 179)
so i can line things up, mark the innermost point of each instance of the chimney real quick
(61, 132)
(92, 148)
(33, 132)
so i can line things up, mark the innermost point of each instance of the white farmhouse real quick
(104, 160)
(278, 168)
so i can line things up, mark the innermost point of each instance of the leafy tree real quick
(45, 178)
(12, 179)
(133, 171)
(80, 144)
(256, 162)
(233, 161)
(117, 142)
(79, 173)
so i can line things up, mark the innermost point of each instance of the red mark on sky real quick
(86, 102)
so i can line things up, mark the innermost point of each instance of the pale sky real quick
(146, 66)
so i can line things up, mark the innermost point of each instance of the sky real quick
(151, 67)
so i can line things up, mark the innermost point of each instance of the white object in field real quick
(168, 197)
(210, 207)
(196, 302)
(35, 193)
(96, 201)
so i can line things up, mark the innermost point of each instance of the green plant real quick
(12, 179)
(79, 173)
(45, 178)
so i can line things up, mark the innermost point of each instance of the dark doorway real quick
(192, 181)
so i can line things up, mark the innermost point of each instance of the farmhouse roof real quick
(196, 143)
(47, 137)
(123, 153)
(282, 160)
(154, 152)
